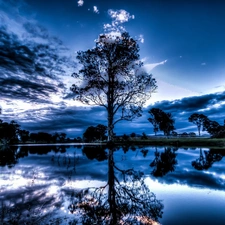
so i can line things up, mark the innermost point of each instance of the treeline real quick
(10, 133)
(164, 122)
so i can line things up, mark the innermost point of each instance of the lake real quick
(59, 184)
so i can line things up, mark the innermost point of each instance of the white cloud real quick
(151, 66)
(80, 2)
(168, 91)
(118, 17)
(203, 64)
(141, 38)
(95, 9)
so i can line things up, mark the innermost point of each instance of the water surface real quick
(38, 183)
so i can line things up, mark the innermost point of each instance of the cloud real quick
(80, 3)
(151, 66)
(203, 64)
(95, 9)
(32, 62)
(118, 18)
(141, 38)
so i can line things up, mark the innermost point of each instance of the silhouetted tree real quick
(9, 132)
(112, 77)
(24, 135)
(144, 136)
(199, 120)
(214, 128)
(62, 137)
(161, 121)
(95, 133)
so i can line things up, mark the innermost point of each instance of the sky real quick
(182, 44)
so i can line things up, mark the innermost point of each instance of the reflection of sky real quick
(55, 175)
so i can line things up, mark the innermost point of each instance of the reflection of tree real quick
(126, 201)
(206, 160)
(8, 155)
(164, 162)
(35, 208)
(95, 152)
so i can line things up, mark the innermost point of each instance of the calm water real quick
(39, 183)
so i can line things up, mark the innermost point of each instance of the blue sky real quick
(181, 43)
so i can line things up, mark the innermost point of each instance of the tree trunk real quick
(111, 192)
(110, 101)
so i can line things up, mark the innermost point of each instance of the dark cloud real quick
(72, 120)
(181, 109)
(30, 69)
(191, 104)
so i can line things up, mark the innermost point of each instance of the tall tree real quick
(199, 120)
(112, 77)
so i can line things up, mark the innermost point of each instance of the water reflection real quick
(164, 162)
(92, 184)
(206, 159)
(123, 199)
(119, 201)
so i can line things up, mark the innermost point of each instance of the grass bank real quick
(177, 142)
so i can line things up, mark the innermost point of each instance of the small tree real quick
(112, 77)
(198, 119)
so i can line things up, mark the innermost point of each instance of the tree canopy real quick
(161, 121)
(95, 133)
(198, 120)
(112, 76)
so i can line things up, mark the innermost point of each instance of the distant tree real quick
(24, 135)
(56, 137)
(9, 132)
(132, 135)
(199, 120)
(41, 137)
(95, 133)
(125, 137)
(34, 137)
(184, 134)
(214, 128)
(112, 77)
(62, 137)
(174, 133)
(161, 121)
(192, 134)
(144, 136)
